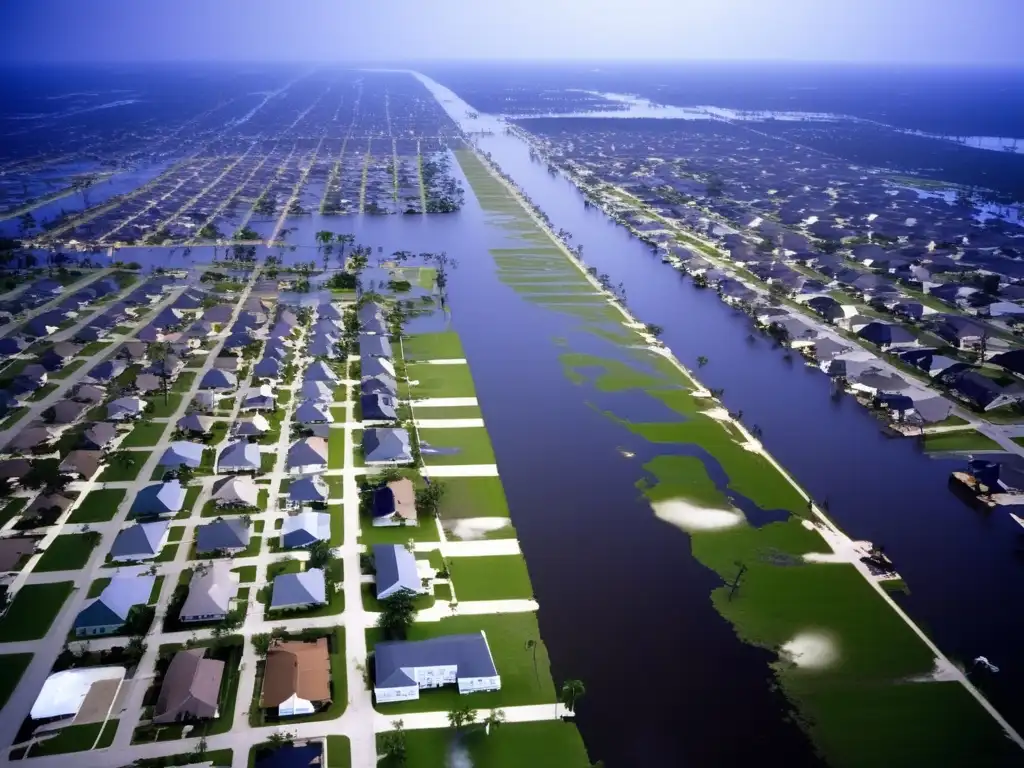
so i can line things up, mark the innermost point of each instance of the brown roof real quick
(191, 687)
(404, 494)
(44, 502)
(297, 668)
(13, 549)
(83, 462)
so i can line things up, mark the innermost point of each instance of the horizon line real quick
(521, 61)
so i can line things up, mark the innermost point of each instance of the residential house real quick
(396, 570)
(378, 385)
(379, 408)
(218, 379)
(236, 492)
(254, 427)
(14, 550)
(958, 331)
(142, 541)
(374, 346)
(307, 455)
(89, 393)
(82, 464)
(147, 382)
(305, 529)
(239, 456)
(305, 589)
(395, 503)
(317, 391)
(403, 668)
(32, 437)
(310, 489)
(195, 423)
(268, 369)
(291, 756)
(183, 452)
(99, 436)
(190, 688)
(105, 372)
(319, 371)
(107, 614)
(260, 398)
(227, 535)
(888, 335)
(47, 507)
(126, 408)
(297, 678)
(980, 391)
(210, 593)
(63, 694)
(310, 412)
(386, 446)
(160, 500)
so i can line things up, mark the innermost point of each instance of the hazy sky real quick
(953, 31)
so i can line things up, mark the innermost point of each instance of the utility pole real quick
(736, 581)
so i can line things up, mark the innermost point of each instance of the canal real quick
(963, 567)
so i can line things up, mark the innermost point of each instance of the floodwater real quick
(624, 607)
(963, 567)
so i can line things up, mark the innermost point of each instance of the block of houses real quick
(292, 591)
(403, 668)
(190, 688)
(142, 541)
(210, 593)
(107, 614)
(296, 678)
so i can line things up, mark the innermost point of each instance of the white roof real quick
(63, 692)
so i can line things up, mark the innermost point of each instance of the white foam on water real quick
(472, 528)
(811, 650)
(694, 518)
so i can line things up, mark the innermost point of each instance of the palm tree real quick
(531, 645)
(158, 352)
(494, 720)
(461, 715)
(572, 691)
(702, 361)
(397, 613)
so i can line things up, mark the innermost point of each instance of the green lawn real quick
(160, 409)
(12, 508)
(68, 369)
(473, 497)
(513, 745)
(12, 667)
(502, 577)
(449, 412)
(98, 506)
(370, 534)
(473, 444)
(145, 434)
(34, 608)
(440, 380)
(507, 635)
(68, 552)
(960, 440)
(339, 752)
(433, 346)
(246, 573)
(77, 738)
(119, 470)
(97, 587)
(336, 449)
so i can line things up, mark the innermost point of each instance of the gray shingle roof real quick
(469, 653)
(239, 455)
(139, 541)
(231, 533)
(210, 593)
(396, 570)
(299, 589)
(386, 444)
(305, 528)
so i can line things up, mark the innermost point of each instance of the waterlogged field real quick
(859, 678)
